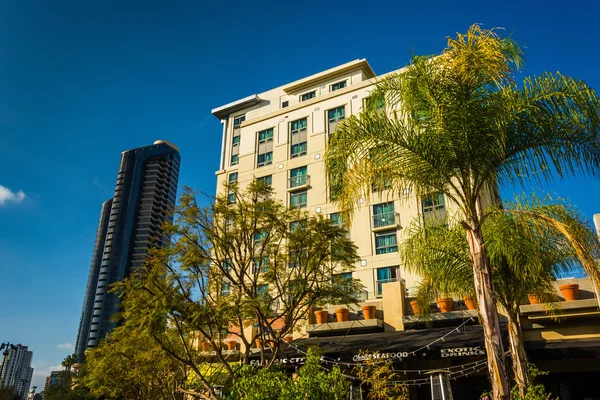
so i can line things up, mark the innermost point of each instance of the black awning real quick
(458, 343)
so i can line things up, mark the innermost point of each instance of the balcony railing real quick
(385, 220)
(299, 182)
(379, 285)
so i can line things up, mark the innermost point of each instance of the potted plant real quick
(570, 291)
(415, 307)
(205, 346)
(533, 299)
(231, 344)
(369, 311)
(289, 338)
(445, 304)
(258, 343)
(470, 302)
(321, 316)
(341, 314)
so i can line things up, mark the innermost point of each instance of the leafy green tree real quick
(527, 256)
(458, 123)
(245, 260)
(8, 393)
(311, 382)
(129, 364)
(384, 383)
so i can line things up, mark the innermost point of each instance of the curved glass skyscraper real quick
(144, 198)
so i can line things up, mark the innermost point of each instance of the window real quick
(235, 146)
(265, 148)
(433, 202)
(298, 199)
(267, 180)
(337, 219)
(298, 177)
(285, 104)
(334, 117)
(385, 275)
(225, 289)
(434, 209)
(297, 257)
(373, 103)
(262, 290)
(338, 86)
(237, 121)
(308, 96)
(260, 265)
(259, 237)
(232, 180)
(342, 280)
(385, 242)
(226, 265)
(383, 215)
(298, 140)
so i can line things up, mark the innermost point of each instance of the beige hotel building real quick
(281, 136)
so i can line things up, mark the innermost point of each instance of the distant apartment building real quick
(280, 136)
(130, 225)
(17, 371)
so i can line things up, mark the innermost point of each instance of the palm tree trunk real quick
(484, 290)
(517, 350)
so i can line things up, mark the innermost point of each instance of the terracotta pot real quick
(321, 316)
(471, 303)
(205, 346)
(341, 314)
(369, 311)
(445, 304)
(288, 339)
(533, 299)
(415, 307)
(570, 291)
(231, 344)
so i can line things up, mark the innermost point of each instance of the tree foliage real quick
(244, 268)
(458, 123)
(383, 382)
(129, 364)
(530, 245)
(311, 382)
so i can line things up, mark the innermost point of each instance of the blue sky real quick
(82, 81)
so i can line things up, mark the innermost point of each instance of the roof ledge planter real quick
(415, 307)
(231, 344)
(205, 346)
(369, 311)
(471, 302)
(533, 299)
(341, 314)
(321, 316)
(445, 304)
(570, 291)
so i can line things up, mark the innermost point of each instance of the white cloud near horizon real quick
(67, 346)
(43, 372)
(7, 195)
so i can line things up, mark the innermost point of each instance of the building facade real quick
(281, 136)
(130, 225)
(17, 370)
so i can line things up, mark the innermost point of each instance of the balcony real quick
(298, 182)
(379, 285)
(385, 221)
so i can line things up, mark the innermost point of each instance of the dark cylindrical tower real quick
(144, 199)
(90, 291)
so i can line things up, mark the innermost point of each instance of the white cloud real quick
(7, 195)
(45, 370)
(96, 182)
(67, 346)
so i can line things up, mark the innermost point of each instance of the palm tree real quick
(526, 255)
(460, 126)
